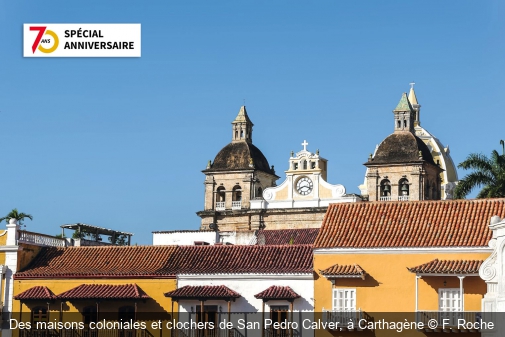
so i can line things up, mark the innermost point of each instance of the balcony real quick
(403, 198)
(448, 320)
(342, 318)
(220, 206)
(387, 198)
(236, 205)
(41, 239)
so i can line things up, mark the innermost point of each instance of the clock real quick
(304, 185)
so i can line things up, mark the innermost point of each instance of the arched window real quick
(399, 124)
(241, 133)
(404, 123)
(237, 193)
(221, 196)
(385, 189)
(403, 189)
(260, 192)
(304, 164)
(39, 314)
(89, 314)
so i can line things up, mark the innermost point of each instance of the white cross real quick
(305, 145)
(412, 85)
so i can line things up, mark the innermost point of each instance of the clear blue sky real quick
(120, 143)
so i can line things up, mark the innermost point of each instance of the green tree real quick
(487, 172)
(14, 214)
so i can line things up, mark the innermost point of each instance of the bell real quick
(386, 188)
(405, 188)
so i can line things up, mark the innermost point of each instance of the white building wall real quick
(248, 285)
(183, 238)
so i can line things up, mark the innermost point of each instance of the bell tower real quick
(242, 127)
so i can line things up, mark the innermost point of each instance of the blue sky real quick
(120, 143)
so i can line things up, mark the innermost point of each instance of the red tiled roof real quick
(100, 262)
(277, 293)
(166, 261)
(352, 270)
(36, 293)
(303, 236)
(197, 292)
(448, 267)
(448, 223)
(243, 259)
(104, 291)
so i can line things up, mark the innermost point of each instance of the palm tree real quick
(14, 214)
(488, 172)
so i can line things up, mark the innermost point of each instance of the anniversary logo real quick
(82, 40)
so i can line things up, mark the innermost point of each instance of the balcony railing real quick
(41, 239)
(448, 319)
(236, 205)
(342, 318)
(220, 206)
(387, 198)
(403, 198)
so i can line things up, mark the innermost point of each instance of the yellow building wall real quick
(390, 287)
(156, 305)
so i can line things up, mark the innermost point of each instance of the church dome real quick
(240, 156)
(401, 147)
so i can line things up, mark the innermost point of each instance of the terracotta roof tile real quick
(104, 291)
(448, 267)
(277, 293)
(338, 270)
(166, 261)
(448, 223)
(98, 262)
(304, 236)
(243, 259)
(36, 293)
(196, 292)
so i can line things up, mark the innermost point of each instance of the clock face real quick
(304, 186)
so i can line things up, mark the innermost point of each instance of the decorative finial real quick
(273, 170)
(209, 164)
(251, 162)
(317, 152)
(305, 145)
(370, 157)
(412, 84)
(420, 154)
(292, 153)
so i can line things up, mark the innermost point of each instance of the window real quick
(260, 192)
(220, 194)
(385, 188)
(39, 314)
(449, 299)
(89, 314)
(304, 164)
(237, 193)
(344, 299)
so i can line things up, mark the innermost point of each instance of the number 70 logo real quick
(38, 40)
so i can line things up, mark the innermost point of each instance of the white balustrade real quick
(41, 239)
(387, 198)
(236, 205)
(220, 206)
(403, 198)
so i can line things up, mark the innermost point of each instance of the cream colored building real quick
(241, 193)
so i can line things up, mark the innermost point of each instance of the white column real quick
(462, 296)
(417, 292)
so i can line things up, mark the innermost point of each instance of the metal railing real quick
(220, 206)
(447, 319)
(41, 239)
(236, 205)
(342, 318)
